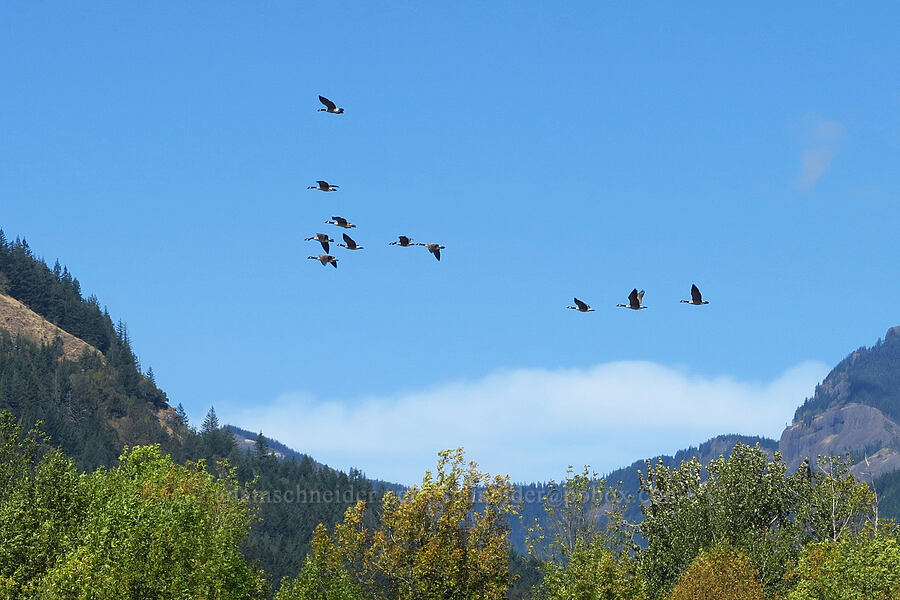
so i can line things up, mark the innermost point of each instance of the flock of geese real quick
(635, 301)
(635, 298)
(349, 243)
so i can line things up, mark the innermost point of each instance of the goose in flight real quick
(350, 244)
(634, 300)
(581, 306)
(325, 259)
(696, 297)
(324, 186)
(433, 248)
(322, 239)
(329, 106)
(341, 222)
(404, 241)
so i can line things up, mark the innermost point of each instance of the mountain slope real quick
(855, 409)
(868, 376)
(64, 362)
(15, 317)
(246, 440)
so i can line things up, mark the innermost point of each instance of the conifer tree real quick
(211, 422)
(182, 415)
(262, 445)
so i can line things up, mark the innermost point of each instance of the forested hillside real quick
(91, 406)
(856, 410)
(55, 294)
(868, 376)
(94, 405)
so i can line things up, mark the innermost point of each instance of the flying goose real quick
(322, 239)
(325, 259)
(324, 186)
(350, 244)
(696, 297)
(433, 248)
(581, 306)
(634, 300)
(341, 222)
(404, 241)
(329, 106)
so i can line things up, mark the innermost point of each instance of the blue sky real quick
(163, 153)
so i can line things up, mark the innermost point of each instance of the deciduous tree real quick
(444, 540)
(720, 574)
(855, 567)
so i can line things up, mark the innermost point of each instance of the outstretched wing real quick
(581, 305)
(404, 240)
(349, 241)
(640, 297)
(323, 184)
(328, 103)
(633, 298)
(340, 220)
(696, 297)
(437, 253)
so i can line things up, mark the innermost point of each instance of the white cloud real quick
(532, 423)
(815, 163)
(822, 138)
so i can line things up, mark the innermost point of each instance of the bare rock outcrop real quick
(854, 428)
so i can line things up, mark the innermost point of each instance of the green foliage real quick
(91, 417)
(181, 415)
(888, 488)
(211, 422)
(592, 572)
(863, 567)
(432, 544)
(261, 448)
(749, 502)
(323, 576)
(40, 507)
(579, 511)
(84, 405)
(585, 544)
(526, 574)
(215, 441)
(720, 574)
(292, 498)
(153, 529)
(39, 523)
(836, 502)
(146, 529)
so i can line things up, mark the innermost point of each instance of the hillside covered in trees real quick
(855, 410)
(94, 406)
(109, 492)
(868, 376)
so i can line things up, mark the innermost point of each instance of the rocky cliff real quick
(856, 410)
